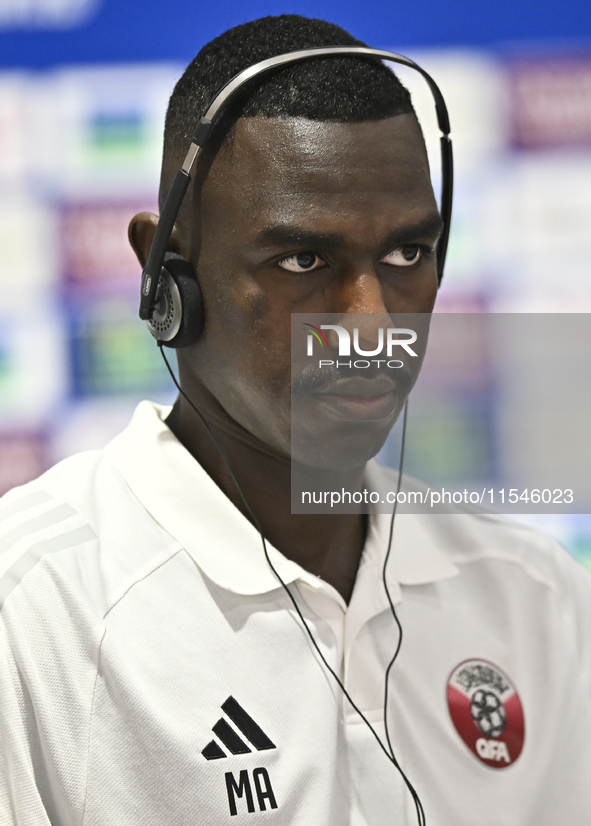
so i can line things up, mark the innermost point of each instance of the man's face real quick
(300, 216)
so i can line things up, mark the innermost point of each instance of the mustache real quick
(314, 379)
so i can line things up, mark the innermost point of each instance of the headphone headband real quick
(218, 106)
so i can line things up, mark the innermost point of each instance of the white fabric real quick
(136, 600)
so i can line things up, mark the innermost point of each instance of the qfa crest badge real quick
(486, 710)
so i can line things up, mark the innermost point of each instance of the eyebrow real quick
(284, 234)
(287, 235)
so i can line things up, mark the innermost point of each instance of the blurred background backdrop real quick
(83, 90)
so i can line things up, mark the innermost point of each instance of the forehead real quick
(302, 167)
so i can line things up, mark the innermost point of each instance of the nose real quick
(361, 293)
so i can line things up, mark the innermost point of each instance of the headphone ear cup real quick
(178, 318)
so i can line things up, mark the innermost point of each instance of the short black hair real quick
(342, 89)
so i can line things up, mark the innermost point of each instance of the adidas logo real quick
(230, 739)
(242, 788)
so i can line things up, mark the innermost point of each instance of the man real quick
(154, 670)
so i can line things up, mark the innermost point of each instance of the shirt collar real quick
(186, 502)
(416, 557)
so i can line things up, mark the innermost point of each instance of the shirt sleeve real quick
(577, 616)
(48, 671)
(21, 799)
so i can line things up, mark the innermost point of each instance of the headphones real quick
(171, 301)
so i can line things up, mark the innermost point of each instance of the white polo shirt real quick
(153, 673)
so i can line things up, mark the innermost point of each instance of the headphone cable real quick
(388, 751)
(417, 801)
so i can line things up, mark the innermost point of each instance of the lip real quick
(359, 399)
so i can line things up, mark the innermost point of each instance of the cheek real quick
(267, 329)
(241, 320)
(415, 295)
(259, 307)
(246, 348)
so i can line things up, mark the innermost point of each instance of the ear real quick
(141, 233)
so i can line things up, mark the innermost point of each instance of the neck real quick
(327, 545)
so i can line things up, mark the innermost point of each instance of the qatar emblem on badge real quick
(486, 710)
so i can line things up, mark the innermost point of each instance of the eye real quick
(302, 262)
(405, 256)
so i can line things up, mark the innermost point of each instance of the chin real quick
(348, 446)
